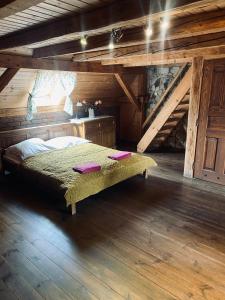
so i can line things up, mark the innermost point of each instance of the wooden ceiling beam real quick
(98, 55)
(207, 40)
(168, 57)
(117, 14)
(131, 36)
(212, 22)
(6, 77)
(11, 7)
(16, 61)
(127, 90)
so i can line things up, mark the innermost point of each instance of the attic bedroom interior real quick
(112, 149)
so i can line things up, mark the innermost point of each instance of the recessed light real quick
(164, 23)
(83, 41)
(111, 45)
(148, 31)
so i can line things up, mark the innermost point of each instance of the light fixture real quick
(148, 32)
(111, 45)
(164, 23)
(83, 40)
(115, 37)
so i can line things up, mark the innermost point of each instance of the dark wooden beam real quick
(6, 77)
(168, 57)
(119, 13)
(5, 2)
(11, 7)
(98, 55)
(186, 27)
(130, 37)
(127, 90)
(16, 61)
(207, 40)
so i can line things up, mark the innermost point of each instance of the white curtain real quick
(42, 86)
(45, 84)
(68, 81)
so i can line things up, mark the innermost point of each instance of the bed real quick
(53, 169)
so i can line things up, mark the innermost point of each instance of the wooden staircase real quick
(170, 114)
(172, 122)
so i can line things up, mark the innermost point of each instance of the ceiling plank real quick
(118, 13)
(6, 77)
(190, 26)
(12, 7)
(16, 61)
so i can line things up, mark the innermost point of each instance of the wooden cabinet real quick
(101, 131)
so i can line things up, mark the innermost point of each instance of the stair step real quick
(179, 112)
(185, 101)
(182, 106)
(169, 125)
(160, 139)
(175, 119)
(165, 131)
(162, 135)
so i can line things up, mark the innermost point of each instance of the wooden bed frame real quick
(11, 137)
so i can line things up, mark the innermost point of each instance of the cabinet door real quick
(210, 152)
(93, 132)
(108, 132)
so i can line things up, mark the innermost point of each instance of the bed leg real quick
(146, 173)
(73, 208)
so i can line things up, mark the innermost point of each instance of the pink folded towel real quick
(120, 155)
(87, 168)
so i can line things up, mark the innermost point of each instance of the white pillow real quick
(26, 149)
(65, 141)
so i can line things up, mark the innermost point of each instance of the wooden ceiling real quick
(52, 28)
(25, 14)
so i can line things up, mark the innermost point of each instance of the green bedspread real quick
(56, 167)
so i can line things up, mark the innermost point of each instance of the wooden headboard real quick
(11, 137)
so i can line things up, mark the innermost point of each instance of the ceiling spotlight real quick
(164, 23)
(117, 35)
(148, 31)
(111, 45)
(83, 40)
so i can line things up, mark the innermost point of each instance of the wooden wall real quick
(130, 118)
(13, 99)
(90, 87)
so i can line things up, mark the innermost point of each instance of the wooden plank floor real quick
(159, 239)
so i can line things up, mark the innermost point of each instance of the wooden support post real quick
(192, 127)
(146, 174)
(73, 209)
(6, 77)
(130, 95)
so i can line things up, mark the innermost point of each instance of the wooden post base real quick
(146, 173)
(73, 209)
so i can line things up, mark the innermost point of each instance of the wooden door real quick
(210, 152)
